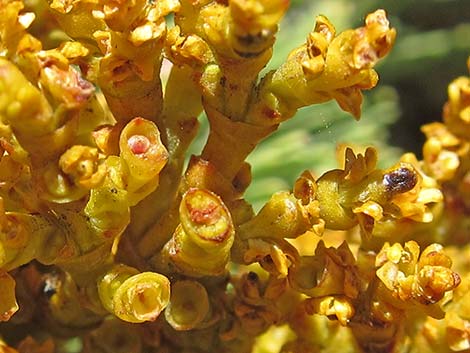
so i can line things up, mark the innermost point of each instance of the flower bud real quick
(412, 278)
(81, 163)
(23, 105)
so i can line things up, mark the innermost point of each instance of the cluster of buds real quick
(108, 240)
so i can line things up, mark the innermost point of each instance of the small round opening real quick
(138, 144)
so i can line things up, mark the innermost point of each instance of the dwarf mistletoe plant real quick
(108, 238)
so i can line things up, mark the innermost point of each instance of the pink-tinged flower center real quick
(138, 144)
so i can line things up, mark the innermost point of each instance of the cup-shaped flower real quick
(205, 219)
(134, 296)
(144, 154)
(189, 305)
(201, 243)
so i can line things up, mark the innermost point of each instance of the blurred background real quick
(432, 47)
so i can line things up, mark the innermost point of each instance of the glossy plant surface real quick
(109, 242)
